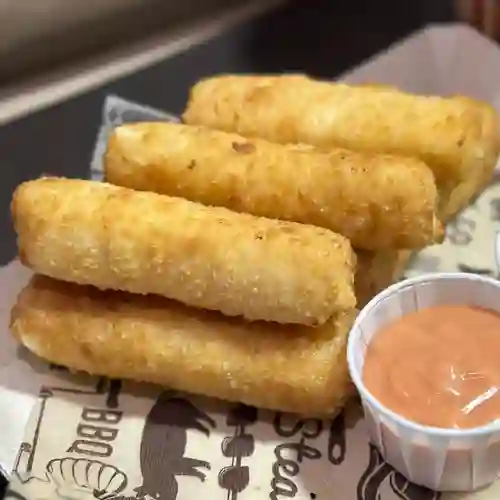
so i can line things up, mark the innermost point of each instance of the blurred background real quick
(38, 36)
(482, 14)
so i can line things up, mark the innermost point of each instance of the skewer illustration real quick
(235, 477)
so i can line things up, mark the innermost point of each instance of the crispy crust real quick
(281, 367)
(377, 201)
(457, 137)
(378, 270)
(209, 257)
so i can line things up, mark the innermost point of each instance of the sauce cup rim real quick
(356, 376)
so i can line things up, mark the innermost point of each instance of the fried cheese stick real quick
(282, 367)
(210, 257)
(457, 137)
(377, 270)
(377, 201)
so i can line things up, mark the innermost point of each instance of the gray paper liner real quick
(117, 111)
(166, 445)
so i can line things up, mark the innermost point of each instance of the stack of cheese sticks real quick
(227, 255)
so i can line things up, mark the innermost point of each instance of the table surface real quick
(321, 38)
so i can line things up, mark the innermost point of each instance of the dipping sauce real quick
(439, 366)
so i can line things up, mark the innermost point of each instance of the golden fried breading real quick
(209, 257)
(378, 270)
(457, 137)
(377, 201)
(282, 367)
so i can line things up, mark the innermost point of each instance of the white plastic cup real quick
(440, 459)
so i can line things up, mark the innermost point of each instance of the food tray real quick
(82, 437)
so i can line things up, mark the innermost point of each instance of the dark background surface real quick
(322, 38)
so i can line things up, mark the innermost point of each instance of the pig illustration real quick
(163, 446)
